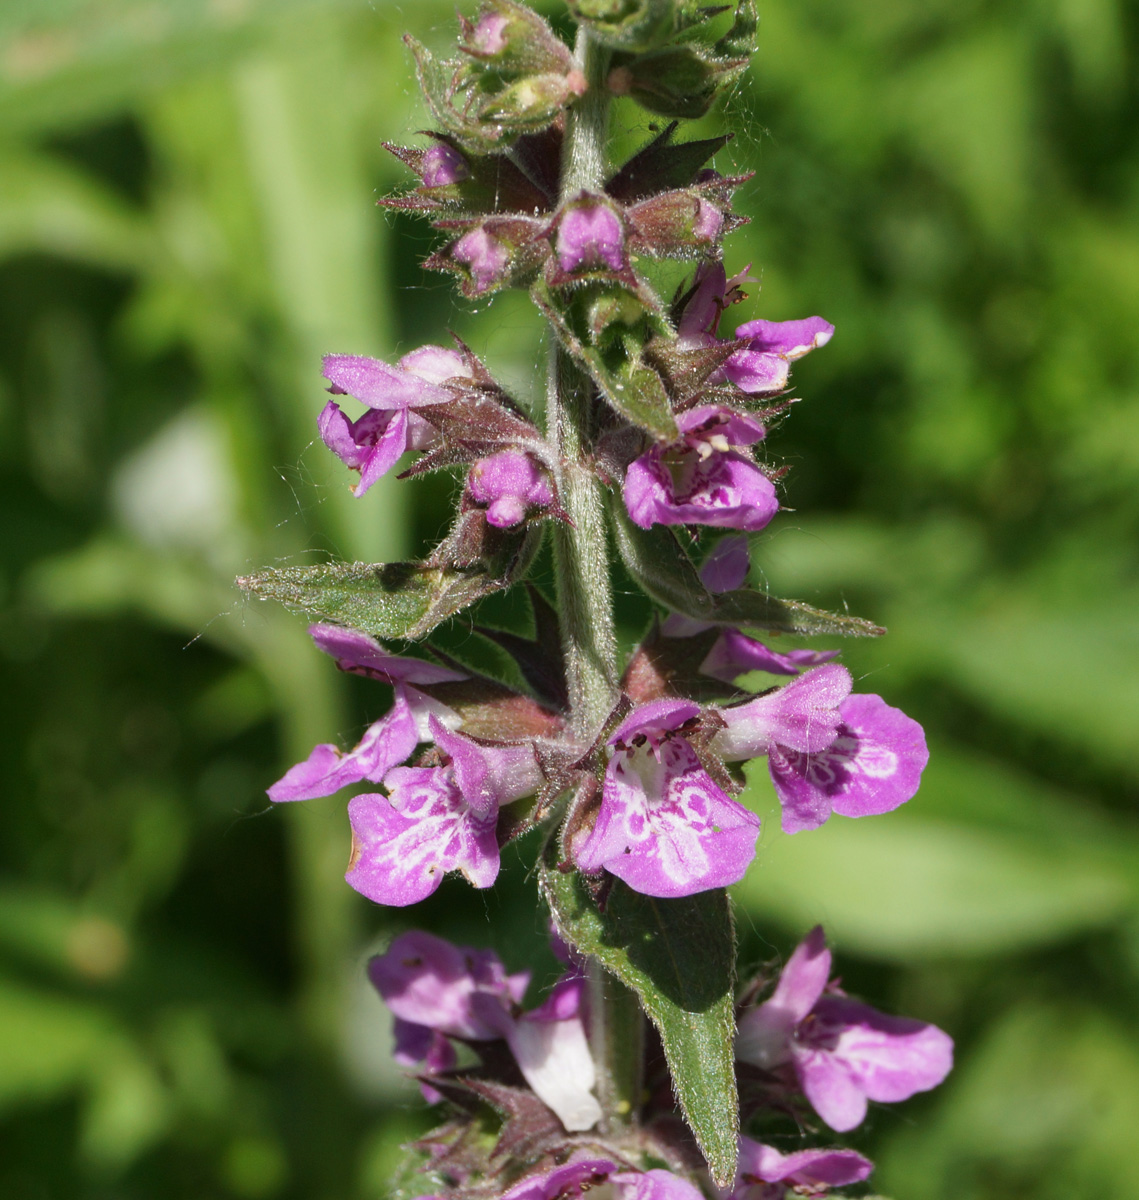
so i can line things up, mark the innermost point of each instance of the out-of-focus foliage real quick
(186, 223)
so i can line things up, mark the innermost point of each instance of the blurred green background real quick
(187, 222)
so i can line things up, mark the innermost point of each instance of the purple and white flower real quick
(664, 826)
(765, 1174)
(827, 751)
(762, 365)
(373, 443)
(437, 819)
(705, 477)
(386, 742)
(444, 990)
(843, 1053)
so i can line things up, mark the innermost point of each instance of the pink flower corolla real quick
(764, 1174)
(762, 364)
(735, 652)
(437, 819)
(664, 826)
(386, 742)
(827, 751)
(843, 1053)
(705, 477)
(373, 443)
(510, 485)
(453, 991)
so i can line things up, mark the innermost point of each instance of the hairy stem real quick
(585, 594)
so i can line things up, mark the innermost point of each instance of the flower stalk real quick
(629, 767)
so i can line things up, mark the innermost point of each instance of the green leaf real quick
(657, 561)
(635, 390)
(388, 600)
(679, 957)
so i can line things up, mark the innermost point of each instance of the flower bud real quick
(495, 252)
(589, 241)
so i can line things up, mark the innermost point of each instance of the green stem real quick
(585, 593)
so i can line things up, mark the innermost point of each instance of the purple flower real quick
(386, 742)
(842, 1052)
(590, 237)
(429, 982)
(664, 826)
(451, 991)
(510, 484)
(765, 1174)
(873, 766)
(437, 819)
(763, 362)
(404, 843)
(373, 443)
(827, 751)
(702, 478)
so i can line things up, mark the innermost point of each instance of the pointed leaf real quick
(662, 165)
(679, 957)
(658, 562)
(392, 600)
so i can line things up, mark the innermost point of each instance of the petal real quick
(403, 846)
(658, 716)
(488, 775)
(726, 568)
(800, 783)
(436, 364)
(378, 384)
(804, 716)
(791, 339)
(755, 373)
(890, 1058)
(830, 1088)
(384, 453)
(666, 829)
(765, 1032)
(555, 1059)
(702, 312)
(883, 767)
(737, 428)
(355, 651)
(735, 652)
(805, 1168)
(385, 744)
